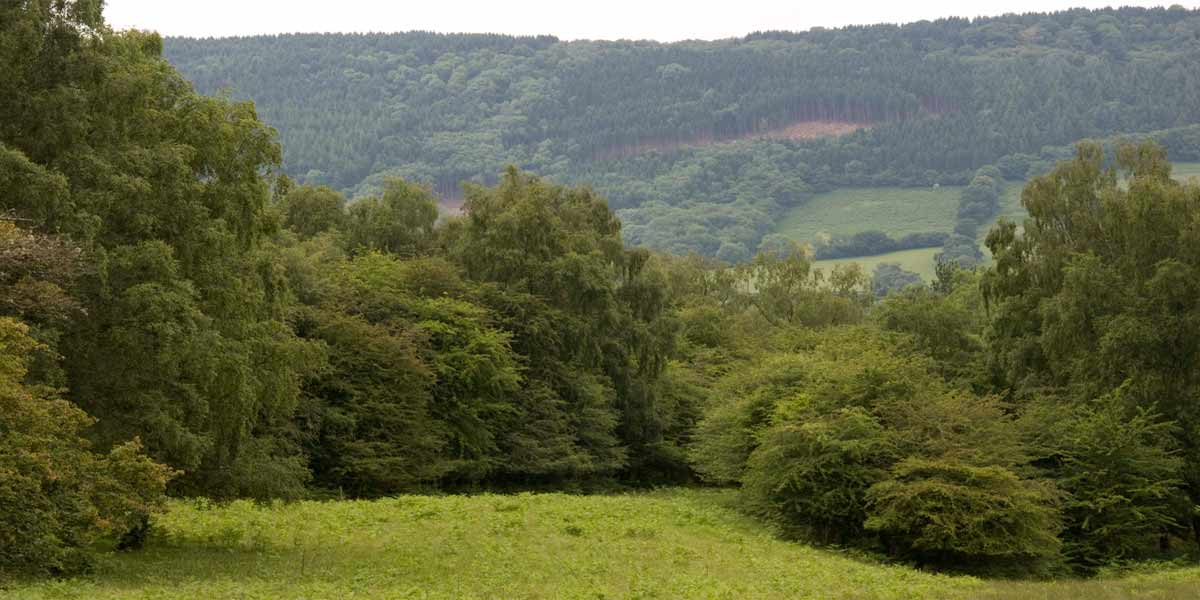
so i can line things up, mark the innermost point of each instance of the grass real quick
(674, 543)
(919, 261)
(893, 210)
(1184, 171)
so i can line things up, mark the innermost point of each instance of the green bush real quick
(1121, 472)
(947, 512)
(812, 478)
(57, 497)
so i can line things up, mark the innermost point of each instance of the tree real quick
(184, 344)
(400, 221)
(1100, 293)
(309, 210)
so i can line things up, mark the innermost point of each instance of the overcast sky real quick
(664, 20)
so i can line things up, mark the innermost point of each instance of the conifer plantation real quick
(225, 374)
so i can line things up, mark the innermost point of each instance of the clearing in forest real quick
(895, 211)
(919, 261)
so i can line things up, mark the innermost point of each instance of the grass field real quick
(919, 261)
(892, 210)
(666, 544)
(1181, 170)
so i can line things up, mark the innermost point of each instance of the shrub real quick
(56, 496)
(947, 512)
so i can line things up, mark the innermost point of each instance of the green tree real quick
(400, 221)
(1100, 293)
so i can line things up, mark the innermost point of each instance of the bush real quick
(1122, 477)
(811, 478)
(56, 496)
(947, 512)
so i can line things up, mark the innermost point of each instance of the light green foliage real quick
(672, 543)
(399, 221)
(57, 497)
(895, 211)
(952, 512)
(919, 261)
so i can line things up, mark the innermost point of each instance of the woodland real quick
(186, 311)
(643, 123)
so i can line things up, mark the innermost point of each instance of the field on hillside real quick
(919, 261)
(893, 210)
(1182, 170)
(666, 544)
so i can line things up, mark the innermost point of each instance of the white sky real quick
(664, 20)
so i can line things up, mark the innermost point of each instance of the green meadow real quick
(674, 543)
(895, 211)
(919, 261)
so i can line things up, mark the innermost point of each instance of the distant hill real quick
(691, 140)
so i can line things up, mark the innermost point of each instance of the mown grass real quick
(893, 210)
(667, 544)
(919, 261)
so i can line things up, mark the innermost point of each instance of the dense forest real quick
(178, 317)
(635, 120)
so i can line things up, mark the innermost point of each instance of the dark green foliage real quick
(309, 210)
(57, 497)
(637, 119)
(183, 343)
(979, 202)
(891, 277)
(1120, 470)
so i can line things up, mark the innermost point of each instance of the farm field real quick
(919, 261)
(1185, 170)
(896, 211)
(674, 543)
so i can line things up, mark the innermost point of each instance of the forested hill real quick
(930, 102)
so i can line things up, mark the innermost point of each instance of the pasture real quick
(895, 211)
(919, 261)
(675, 543)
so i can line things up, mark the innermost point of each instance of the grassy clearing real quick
(1184, 171)
(667, 544)
(892, 210)
(919, 261)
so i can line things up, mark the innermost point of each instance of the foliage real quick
(1098, 294)
(1120, 470)
(400, 221)
(57, 496)
(689, 139)
(954, 513)
(890, 277)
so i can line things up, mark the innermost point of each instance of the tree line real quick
(941, 99)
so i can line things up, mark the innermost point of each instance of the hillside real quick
(636, 119)
(668, 544)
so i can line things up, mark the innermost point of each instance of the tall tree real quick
(1101, 292)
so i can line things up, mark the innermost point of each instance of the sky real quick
(663, 20)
